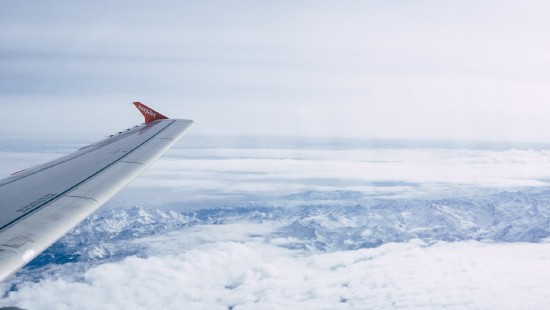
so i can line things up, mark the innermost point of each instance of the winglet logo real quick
(149, 114)
(147, 111)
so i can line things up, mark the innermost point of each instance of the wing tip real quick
(149, 114)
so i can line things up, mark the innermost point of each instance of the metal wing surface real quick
(39, 205)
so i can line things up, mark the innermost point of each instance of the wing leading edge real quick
(39, 205)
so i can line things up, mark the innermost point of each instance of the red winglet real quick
(150, 114)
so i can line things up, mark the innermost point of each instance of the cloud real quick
(221, 266)
(210, 172)
(198, 175)
(240, 265)
(194, 175)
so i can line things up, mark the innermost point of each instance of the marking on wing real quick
(37, 203)
(17, 242)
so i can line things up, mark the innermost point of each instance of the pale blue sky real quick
(467, 70)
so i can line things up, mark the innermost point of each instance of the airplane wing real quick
(40, 204)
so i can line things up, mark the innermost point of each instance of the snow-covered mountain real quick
(319, 221)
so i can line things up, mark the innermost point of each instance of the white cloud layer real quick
(222, 266)
(230, 173)
(237, 265)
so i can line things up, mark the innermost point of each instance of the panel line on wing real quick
(132, 162)
(75, 196)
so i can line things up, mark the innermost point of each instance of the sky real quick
(434, 70)
(423, 70)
